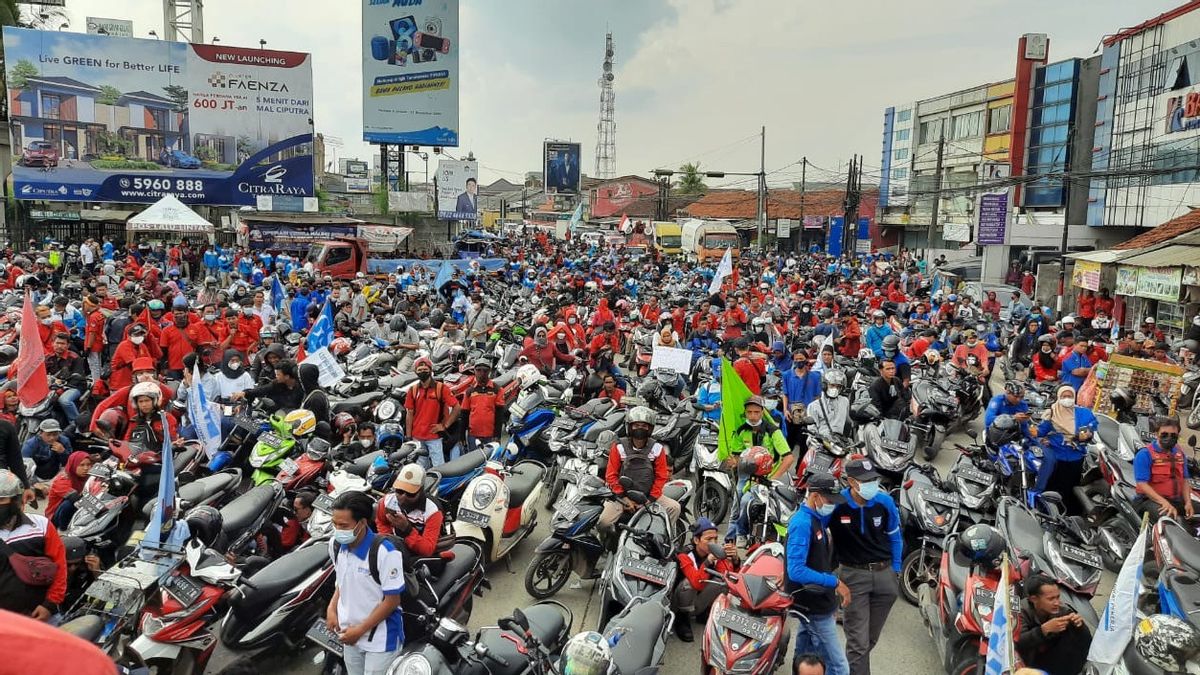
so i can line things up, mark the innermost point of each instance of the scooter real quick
(573, 544)
(1177, 554)
(715, 482)
(638, 636)
(976, 479)
(891, 447)
(1038, 542)
(747, 625)
(271, 449)
(929, 512)
(499, 507)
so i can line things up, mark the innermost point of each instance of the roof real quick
(147, 96)
(1167, 256)
(1151, 23)
(500, 185)
(63, 82)
(647, 207)
(781, 203)
(168, 215)
(1102, 256)
(1168, 230)
(624, 179)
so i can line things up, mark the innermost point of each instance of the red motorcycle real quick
(747, 625)
(308, 468)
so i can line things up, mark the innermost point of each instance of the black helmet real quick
(205, 523)
(981, 544)
(891, 344)
(76, 548)
(1014, 387)
(825, 313)
(1122, 399)
(8, 354)
(398, 323)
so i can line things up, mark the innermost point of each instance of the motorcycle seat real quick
(545, 621)
(357, 402)
(1183, 545)
(463, 465)
(361, 466)
(521, 482)
(203, 488)
(1186, 588)
(1108, 430)
(465, 558)
(87, 627)
(241, 513)
(640, 628)
(1024, 532)
(960, 570)
(281, 574)
(674, 491)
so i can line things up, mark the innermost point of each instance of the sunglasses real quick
(404, 493)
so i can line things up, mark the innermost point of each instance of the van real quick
(668, 237)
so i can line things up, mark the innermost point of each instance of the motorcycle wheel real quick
(333, 666)
(547, 573)
(713, 501)
(920, 567)
(967, 667)
(1193, 419)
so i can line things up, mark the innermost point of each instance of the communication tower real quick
(606, 128)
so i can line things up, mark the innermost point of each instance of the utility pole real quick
(937, 196)
(803, 175)
(1062, 249)
(762, 190)
(850, 205)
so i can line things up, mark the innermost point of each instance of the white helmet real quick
(585, 654)
(150, 389)
(529, 374)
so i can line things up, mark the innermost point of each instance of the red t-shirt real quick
(750, 374)
(175, 343)
(94, 333)
(426, 409)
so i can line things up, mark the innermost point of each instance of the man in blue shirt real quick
(107, 251)
(48, 449)
(1161, 473)
(1076, 365)
(876, 332)
(869, 550)
(299, 310)
(815, 590)
(800, 385)
(1011, 402)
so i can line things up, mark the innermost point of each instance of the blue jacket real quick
(698, 342)
(1066, 450)
(799, 530)
(299, 310)
(998, 406)
(710, 394)
(801, 389)
(1074, 360)
(891, 527)
(48, 462)
(210, 259)
(873, 338)
(107, 251)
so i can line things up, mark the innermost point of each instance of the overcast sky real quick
(695, 79)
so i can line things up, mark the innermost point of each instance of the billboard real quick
(457, 190)
(354, 168)
(111, 27)
(98, 118)
(410, 72)
(561, 164)
(611, 199)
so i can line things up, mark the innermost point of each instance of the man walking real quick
(869, 548)
(815, 590)
(432, 409)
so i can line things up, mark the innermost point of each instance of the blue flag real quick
(576, 217)
(321, 333)
(164, 508)
(276, 292)
(204, 416)
(999, 648)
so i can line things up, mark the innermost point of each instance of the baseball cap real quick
(755, 400)
(10, 485)
(861, 469)
(423, 361)
(703, 525)
(1150, 320)
(825, 485)
(49, 425)
(409, 478)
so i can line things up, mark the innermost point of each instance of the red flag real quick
(623, 226)
(300, 353)
(32, 384)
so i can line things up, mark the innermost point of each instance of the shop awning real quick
(1103, 257)
(169, 215)
(1168, 256)
(105, 215)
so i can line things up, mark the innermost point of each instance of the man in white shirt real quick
(87, 256)
(365, 609)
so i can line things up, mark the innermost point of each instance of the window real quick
(900, 154)
(931, 131)
(337, 254)
(50, 106)
(967, 125)
(899, 174)
(905, 115)
(1000, 119)
(902, 134)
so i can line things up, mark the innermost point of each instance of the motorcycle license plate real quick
(938, 497)
(288, 467)
(820, 464)
(184, 589)
(326, 639)
(1080, 555)
(975, 475)
(323, 503)
(568, 511)
(645, 570)
(474, 517)
(270, 439)
(894, 445)
(90, 504)
(755, 629)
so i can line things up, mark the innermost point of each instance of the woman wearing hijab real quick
(232, 377)
(781, 358)
(69, 480)
(1065, 433)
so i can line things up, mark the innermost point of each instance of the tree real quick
(179, 95)
(108, 95)
(10, 13)
(21, 72)
(691, 180)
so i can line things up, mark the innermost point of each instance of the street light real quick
(64, 26)
(262, 44)
(215, 40)
(154, 35)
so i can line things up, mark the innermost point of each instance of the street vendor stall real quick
(169, 219)
(1147, 380)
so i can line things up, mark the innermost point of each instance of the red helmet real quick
(757, 462)
(340, 346)
(343, 422)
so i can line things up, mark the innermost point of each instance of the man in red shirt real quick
(48, 328)
(609, 389)
(650, 310)
(481, 402)
(644, 462)
(735, 320)
(1087, 305)
(175, 341)
(409, 514)
(1104, 302)
(93, 337)
(693, 594)
(203, 336)
(106, 301)
(991, 306)
(750, 369)
(131, 348)
(432, 409)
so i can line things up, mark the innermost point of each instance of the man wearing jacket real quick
(1053, 637)
(869, 549)
(692, 596)
(68, 367)
(481, 403)
(641, 460)
(815, 590)
(410, 514)
(32, 535)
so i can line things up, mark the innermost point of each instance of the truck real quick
(339, 258)
(668, 237)
(707, 240)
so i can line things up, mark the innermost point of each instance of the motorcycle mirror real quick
(626, 482)
(974, 435)
(716, 550)
(521, 620)
(1192, 441)
(636, 496)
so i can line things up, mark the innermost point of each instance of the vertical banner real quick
(834, 243)
(458, 190)
(993, 218)
(410, 72)
(862, 243)
(560, 161)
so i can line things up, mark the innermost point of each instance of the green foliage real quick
(111, 144)
(108, 95)
(125, 164)
(691, 180)
(21, 72)
(206, 153)
(178, 95)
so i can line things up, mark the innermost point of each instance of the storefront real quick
(1153, 292)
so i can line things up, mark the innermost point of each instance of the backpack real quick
(373, 554)
(114, 327)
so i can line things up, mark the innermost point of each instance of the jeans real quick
(359, 662)
(95, 363)
(67, 402)
(818, 635)
(741, 524)
(434, 448)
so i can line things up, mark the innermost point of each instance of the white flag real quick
(999, 651)
(1116, 625)
(723, 270)
(204, 415)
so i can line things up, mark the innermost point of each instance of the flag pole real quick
(1005, 582)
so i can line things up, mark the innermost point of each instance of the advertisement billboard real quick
(97, 118)
(611, 199)
(458, 190)
(410, 72)
(561, 167)
(110, 27)
(354, 168)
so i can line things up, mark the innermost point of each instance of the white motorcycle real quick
(714, 480)
(499, 507)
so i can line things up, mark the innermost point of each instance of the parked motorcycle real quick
(573, 544)
(498, 509)
(929, 512)
(746, 630)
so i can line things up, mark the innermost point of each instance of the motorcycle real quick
(746, 630)
(771, 505)
(891, 447)
(1049, 542)
(937, 408)
(638, 635)
(573, 544)
(273, 446)
(715, 493)
(929, 512)
(976, 480)
(1177, 554)
(498, 509)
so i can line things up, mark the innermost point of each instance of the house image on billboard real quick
(85, 122)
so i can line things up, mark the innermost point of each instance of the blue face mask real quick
(344, 537)
(868, 490)
(825, 509)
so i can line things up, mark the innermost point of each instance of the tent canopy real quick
(169, 215)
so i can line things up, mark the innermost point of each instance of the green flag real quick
(734, 394)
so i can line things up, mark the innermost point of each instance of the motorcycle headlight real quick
(483, 495)
(411, 664)
(933, 521)
(385, 411)
(1077, 575)
(151, 625)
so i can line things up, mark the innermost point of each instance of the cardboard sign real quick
(331, 372)
(670, 358)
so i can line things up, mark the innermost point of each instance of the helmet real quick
(825, 313)
(641, 414)
(879, 314)
(1167, 642)
(205, 523)
(1014, 387)
(1122, 399)
(833, 378)
(76, 547)
(112, 422)
(1046, 339)
(891, 344)
(399, 323)
(150, 389)
(267, 332)
(210, 281)
(981, 544)
(969, 334)
(302, 422)
(1068, 319)
(1192, 346)
(932, 356)
(585, 654)
(10, 485)
(343, 422)
(7, 354)
(340, 346)
(952, 298)
(757, 461)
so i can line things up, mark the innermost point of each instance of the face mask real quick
(1067, 402)
(344, 537)
(1167, 441)
(639, 433)
(868, 490)
(366, 442)
(822, 510)
(755, 422)
(424, 375)
(540, 341)
(47, 321)
(571, 321)
(235, 365)
(210, 317)
(833, 392)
